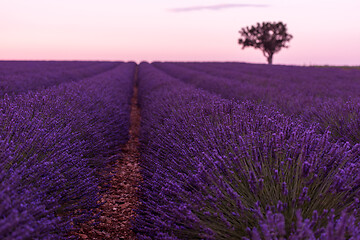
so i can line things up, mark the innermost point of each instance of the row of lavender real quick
(218, 169)
(54, 143)
(329, 97)
(17, 77)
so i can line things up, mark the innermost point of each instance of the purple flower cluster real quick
(308, 93)
(214, 168)
(54, 143)
(17, 77)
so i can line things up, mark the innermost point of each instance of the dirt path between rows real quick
(122, 197)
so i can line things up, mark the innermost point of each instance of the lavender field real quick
(228, 150)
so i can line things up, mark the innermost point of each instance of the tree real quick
(268, 37)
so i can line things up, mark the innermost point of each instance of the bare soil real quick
(121, 199)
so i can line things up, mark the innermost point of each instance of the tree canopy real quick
(270, 37)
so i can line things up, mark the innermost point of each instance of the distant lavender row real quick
(298, 74)
(53, 145)
(17, 77)
(288, 87)
(217, 169)
(330, 97)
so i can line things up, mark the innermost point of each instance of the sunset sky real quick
(325, 31)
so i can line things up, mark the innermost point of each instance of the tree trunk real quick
(270, 59)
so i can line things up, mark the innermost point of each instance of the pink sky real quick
(325, 32)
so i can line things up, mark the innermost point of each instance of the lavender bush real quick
(53, 145)
(217, 169)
